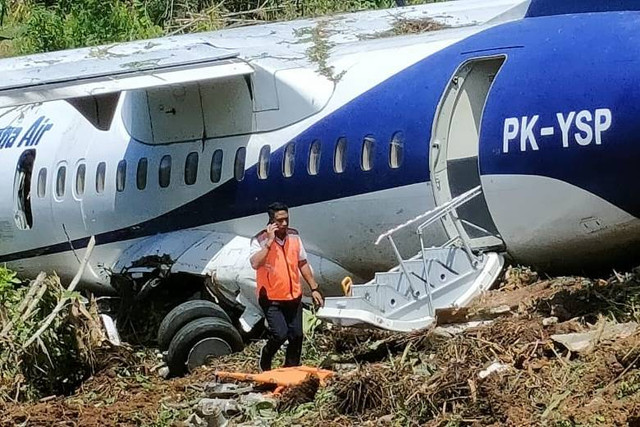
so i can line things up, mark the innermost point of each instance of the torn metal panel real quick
(165, 248)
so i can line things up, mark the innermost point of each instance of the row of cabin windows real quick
(164, 173)
(396, 154)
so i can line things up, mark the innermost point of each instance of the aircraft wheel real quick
(185, 313)
(200, 340)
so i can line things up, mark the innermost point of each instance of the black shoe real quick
(265, 365)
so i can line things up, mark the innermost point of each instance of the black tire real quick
(194, 332)
(185, 313)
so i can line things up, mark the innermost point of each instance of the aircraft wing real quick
(109, 69)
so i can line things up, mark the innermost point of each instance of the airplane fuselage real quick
(541, 111)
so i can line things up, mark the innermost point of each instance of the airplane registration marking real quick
(590, 128)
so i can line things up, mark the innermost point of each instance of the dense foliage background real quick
(31, 26)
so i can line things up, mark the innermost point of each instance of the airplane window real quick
(80, 179)
(61, 181)
(42, 182)
(191, 169)
(340, 158)
(121, 175)
(141, 173)
(164, 174)
(288, 162)
(23, 215)
(239, 163)
(101, 172)
(314, 158)
(263, 162)
(366, 162)
(216, 166)
(396, 150)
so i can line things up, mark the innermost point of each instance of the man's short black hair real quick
(276, 207)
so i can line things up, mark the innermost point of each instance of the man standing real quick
(279, 258)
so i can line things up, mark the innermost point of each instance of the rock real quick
(211, 412)
(195, 421)
(439, 331)
(503, 309)
(225, 391)
(575, 343)
(495, 367)
(585, 341)
(448, 331)
(213, 407)
(345, 367)
(164, 372)
(386, 419)
(253, 399)
(549, 321)
(263, 407)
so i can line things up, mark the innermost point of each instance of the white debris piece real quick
(495, 367)
(581, 342)
(110, 327)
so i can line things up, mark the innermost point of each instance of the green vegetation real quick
(32, 26)
(76, 23)
(61, 357)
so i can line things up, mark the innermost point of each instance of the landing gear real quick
(194, 332)
(185, 313)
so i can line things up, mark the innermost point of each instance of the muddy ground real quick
(434, 377)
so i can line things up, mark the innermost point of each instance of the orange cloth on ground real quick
(284, 377)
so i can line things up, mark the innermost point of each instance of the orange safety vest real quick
(279, 276)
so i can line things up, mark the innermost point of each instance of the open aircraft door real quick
(453, 155)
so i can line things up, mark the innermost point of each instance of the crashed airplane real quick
(505, 130)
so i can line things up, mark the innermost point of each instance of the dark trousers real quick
(285, 323)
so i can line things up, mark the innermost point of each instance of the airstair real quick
(406, 297)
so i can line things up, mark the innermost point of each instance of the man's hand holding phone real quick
(271, 233)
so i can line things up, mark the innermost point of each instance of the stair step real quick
(387, 301)
(406, 297)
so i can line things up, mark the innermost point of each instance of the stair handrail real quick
(449, 210)
(434, 214)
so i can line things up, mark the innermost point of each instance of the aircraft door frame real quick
(454, 149)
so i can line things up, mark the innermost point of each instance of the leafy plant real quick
(8, 282)
(61, 357)
(68, 24)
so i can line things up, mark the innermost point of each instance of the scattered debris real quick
(225, 391)
(218, 409)
(586, 341)
(403, 26)
(495, 367)
(512, 367)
